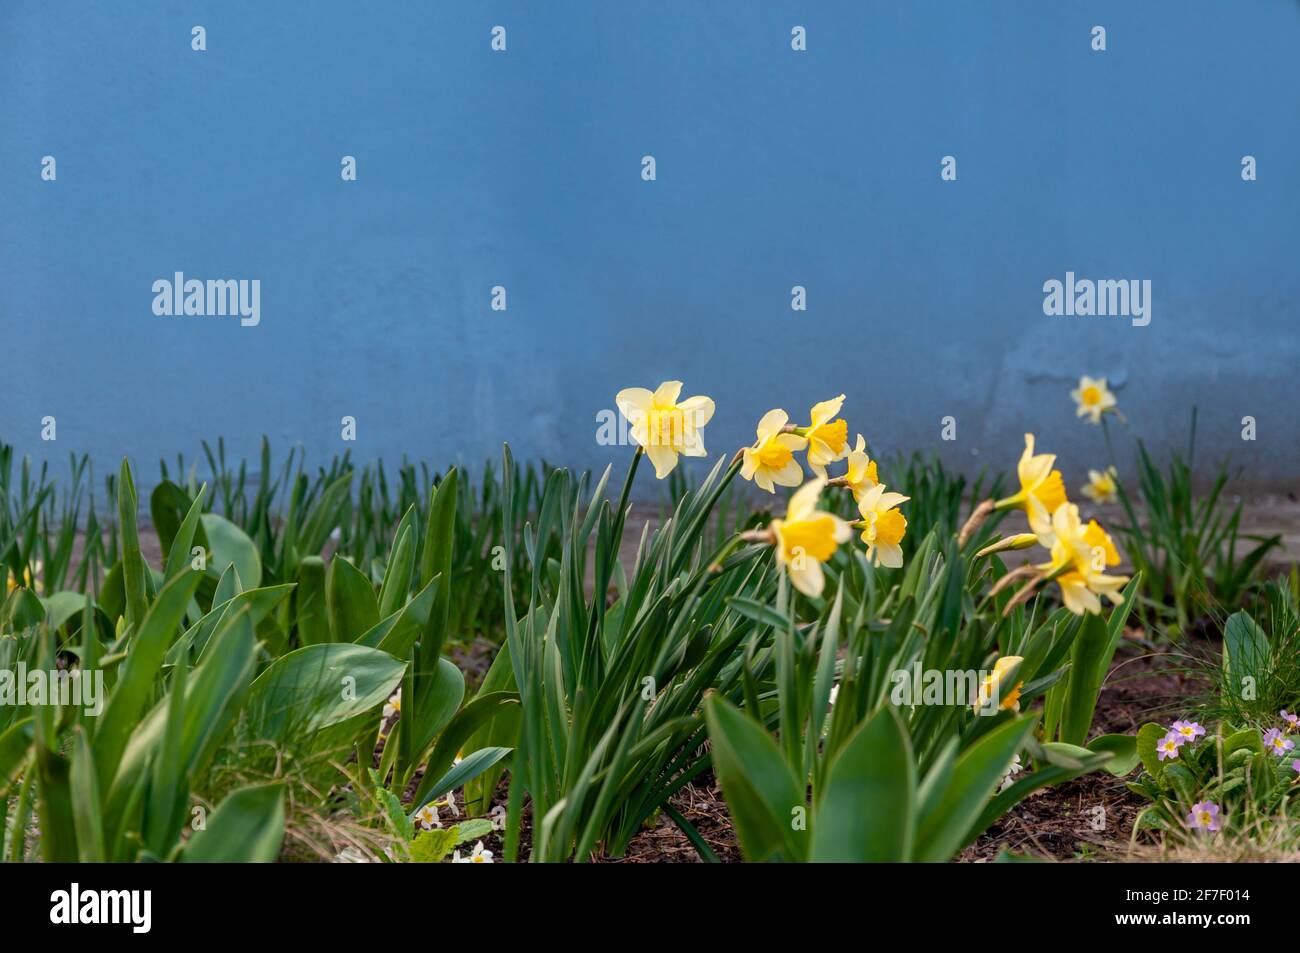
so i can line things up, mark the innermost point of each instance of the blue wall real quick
(523, 169)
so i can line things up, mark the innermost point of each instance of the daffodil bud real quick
(1018, 541)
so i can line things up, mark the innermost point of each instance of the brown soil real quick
(663, 842)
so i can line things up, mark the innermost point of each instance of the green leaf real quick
(168, 783)
(436, 561)
(228, 545)
(1245, 649)
(86, 809)
(179, 553)
(397, 575)
(397, 633)
(15, 744)
(432, 847)
(1248, 739)
(214, 691)
(317, 686)
(352, 606)
(470, 767)
(867, 811)
(500, 731)
(472, 829)
(135, 684)
(762, 795)
(431, 713)
(310, 609)
(1122, 750)
(759, 612)
(949, 825)
(1183, 781)
(1145, 742)
(324, 516)
(1084, 681)
(62, 606)
(134, 571)
(459, 730)
(246, 828)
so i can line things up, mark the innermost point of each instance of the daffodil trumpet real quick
(770, 462)
(827, 435)
(883, 525)
(807, 537)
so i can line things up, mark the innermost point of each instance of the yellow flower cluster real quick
(666, 428)
(807, 536)
(1079, 554)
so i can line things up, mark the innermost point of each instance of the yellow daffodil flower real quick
(664, 427)
(1092, 398)
(828, 438)
(883, 525)
(994, 686)
(1101, 486)
(1080, 555)
(771, 460)
(862, 474)
(1042, 490)
(808, 537)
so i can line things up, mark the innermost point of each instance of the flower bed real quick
(890, 663)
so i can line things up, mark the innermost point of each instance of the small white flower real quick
(1008, 778)
(391, 707)
(479, 856)
(394, 705)
(427, 817)
(449, 802)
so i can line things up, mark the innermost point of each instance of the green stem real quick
(621, 513)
